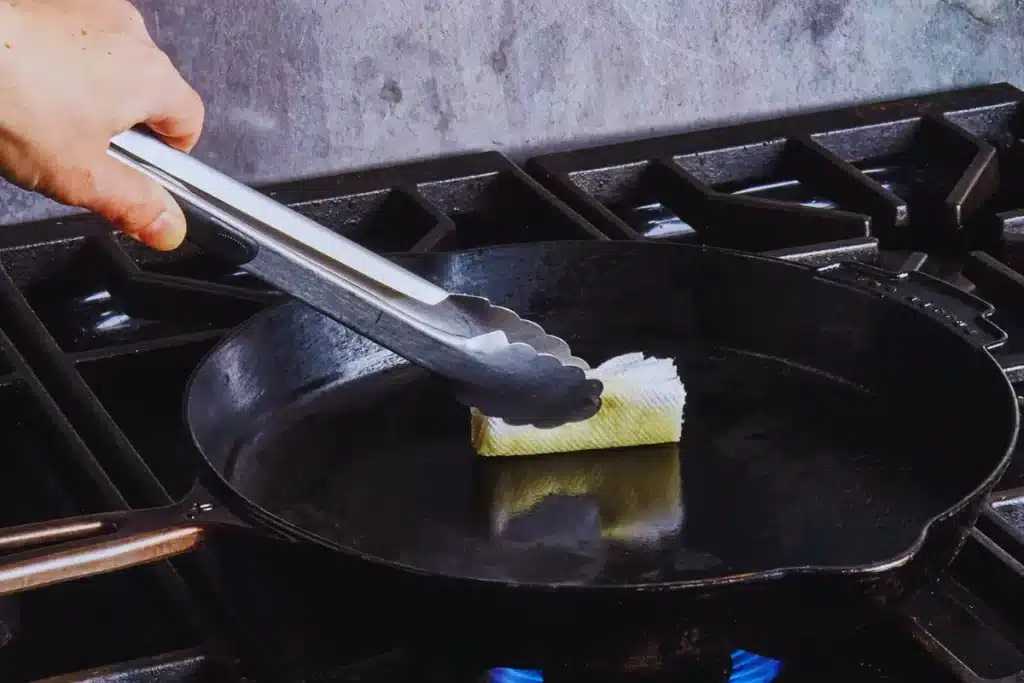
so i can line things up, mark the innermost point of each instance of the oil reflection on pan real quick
(627, 496)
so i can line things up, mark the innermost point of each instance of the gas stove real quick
(98, 337)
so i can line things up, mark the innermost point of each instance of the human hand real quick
(73, 74)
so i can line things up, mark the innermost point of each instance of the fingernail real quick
(164, 233)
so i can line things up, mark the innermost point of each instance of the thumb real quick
(135, 204)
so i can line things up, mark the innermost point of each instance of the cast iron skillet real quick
(843, 427)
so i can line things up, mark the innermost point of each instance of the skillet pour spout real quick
(843, 428)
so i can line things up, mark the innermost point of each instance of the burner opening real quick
(87, 300)
(502, 207)
(921, 179)
(783, 171)
(633, 194)
(657, 221)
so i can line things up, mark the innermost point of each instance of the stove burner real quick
(747, 667)
(515, 676)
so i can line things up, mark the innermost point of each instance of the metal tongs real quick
(499, 363)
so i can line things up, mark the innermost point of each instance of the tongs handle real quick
(243, 222)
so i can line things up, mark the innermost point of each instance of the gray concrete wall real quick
(304, 87)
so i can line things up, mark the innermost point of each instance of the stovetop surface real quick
(98, 337)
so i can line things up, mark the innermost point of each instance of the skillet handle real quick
(78, 547)
(964, 313)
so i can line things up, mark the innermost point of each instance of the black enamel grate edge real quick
(961, 141)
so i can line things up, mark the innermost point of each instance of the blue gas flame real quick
(746, 668)
(516, 676)
(750, 668)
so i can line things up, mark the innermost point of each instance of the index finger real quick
(178, 114)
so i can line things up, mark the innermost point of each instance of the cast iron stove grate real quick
(105, 334)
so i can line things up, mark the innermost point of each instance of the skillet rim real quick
(263, 519)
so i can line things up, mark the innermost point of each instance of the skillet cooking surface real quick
(778, 467)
